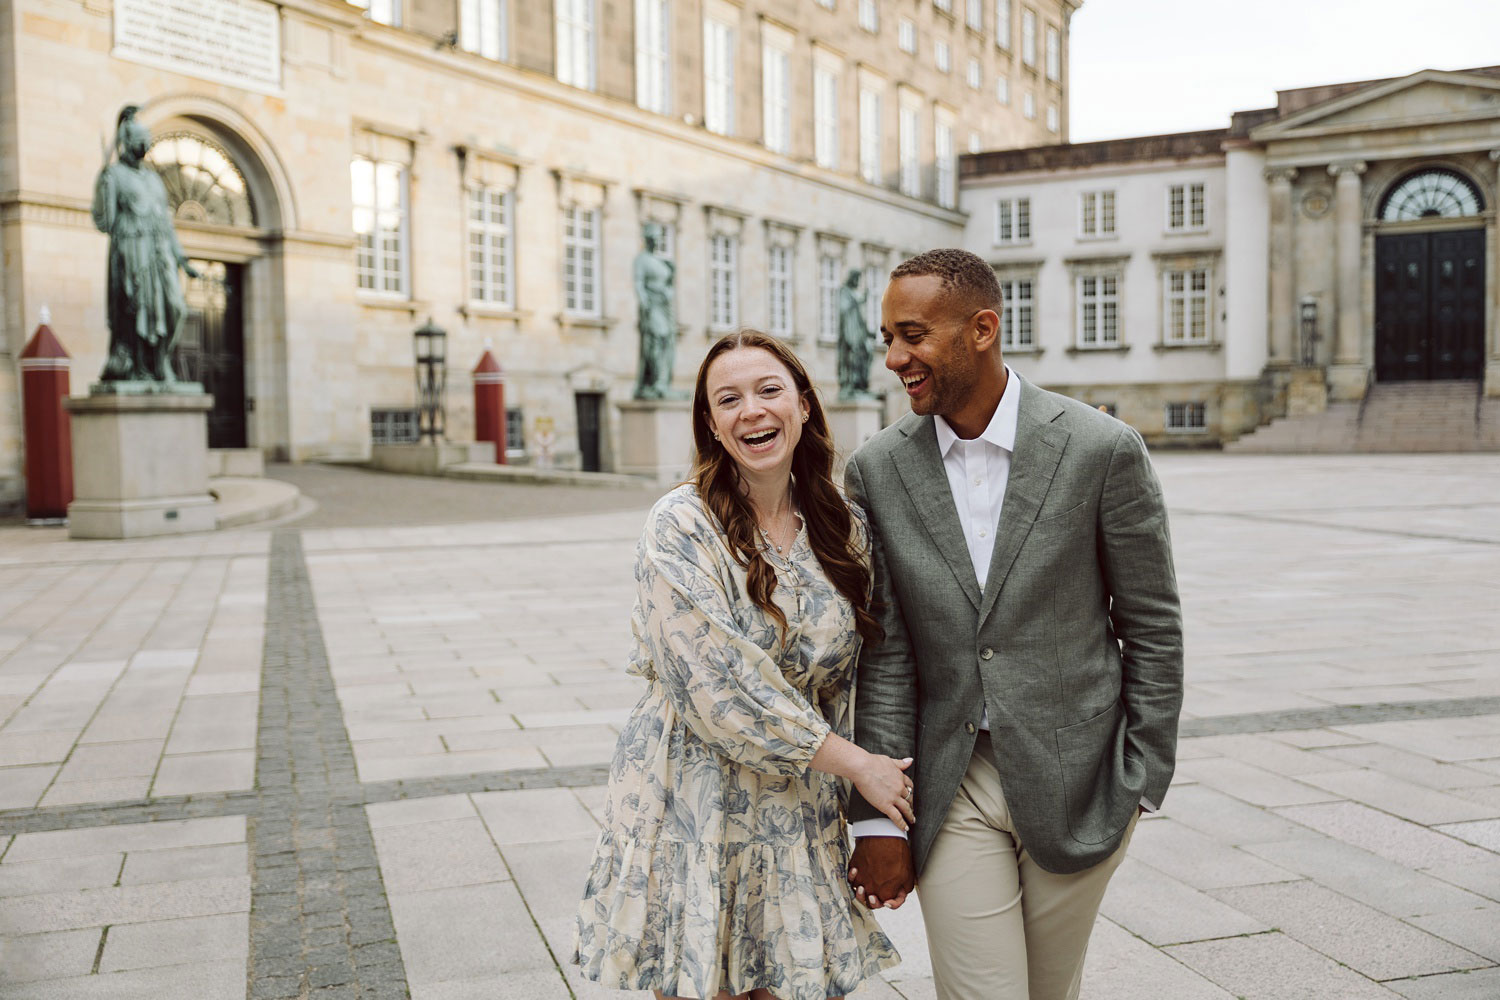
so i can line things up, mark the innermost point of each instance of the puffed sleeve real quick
(726, 688)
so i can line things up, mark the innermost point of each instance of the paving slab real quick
(1371, 879)
(1477, 930)
(1483, 984)
(1161, 910)
(189, 941)
(1352, 934)
(1275, 967)
(440, 854)
(56, 955)
(1120, 966)
(1391, 837)
(1484, 833)
(1199, 860)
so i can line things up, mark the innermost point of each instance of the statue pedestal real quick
(1307, 393)
(656, 439)
(140, 465)
(852, 422)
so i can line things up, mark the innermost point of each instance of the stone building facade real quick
(1345, 237)
(347, 172)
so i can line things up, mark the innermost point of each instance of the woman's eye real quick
(771, 390)
(727, 401)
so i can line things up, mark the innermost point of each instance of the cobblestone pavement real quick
(363, 755)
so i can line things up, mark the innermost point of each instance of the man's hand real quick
(881, 871)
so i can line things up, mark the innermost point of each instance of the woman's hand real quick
(883, 782)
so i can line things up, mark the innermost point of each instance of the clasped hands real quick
(881, 870)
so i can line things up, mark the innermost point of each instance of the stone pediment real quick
(1426, 98)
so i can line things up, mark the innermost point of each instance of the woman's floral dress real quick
(723, 856)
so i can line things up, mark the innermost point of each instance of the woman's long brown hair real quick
(824, 512)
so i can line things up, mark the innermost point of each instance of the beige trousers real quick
(998, 926)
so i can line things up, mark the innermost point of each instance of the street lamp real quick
(431, 344)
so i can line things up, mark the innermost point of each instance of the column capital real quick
(1495, 155)
(1280, 174)
(1340, 167)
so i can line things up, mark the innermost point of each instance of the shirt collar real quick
(1001, 431)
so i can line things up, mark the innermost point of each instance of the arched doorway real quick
(1430, 278)
(206, 188)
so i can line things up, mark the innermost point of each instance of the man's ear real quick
(986, 328)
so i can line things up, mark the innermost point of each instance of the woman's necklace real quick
(783, 525)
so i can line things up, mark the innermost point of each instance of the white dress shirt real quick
(978, 470)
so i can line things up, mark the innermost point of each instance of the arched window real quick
(1431, 194)
(203, 184)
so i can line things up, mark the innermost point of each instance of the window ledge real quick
(1013, 245)
(1189, 431)
(484, 310)
(1208, 345)
(1199, 231)
(1098, 237)
(1113, 349)
(399, 303)
(1025, 352)
(566, 320)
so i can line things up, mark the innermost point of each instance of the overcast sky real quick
(1144, 67)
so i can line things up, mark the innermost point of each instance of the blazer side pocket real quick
(1090, 754)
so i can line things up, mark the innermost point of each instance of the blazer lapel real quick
(1039, 447)
(920, 465)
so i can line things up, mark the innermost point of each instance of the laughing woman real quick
(720, 872)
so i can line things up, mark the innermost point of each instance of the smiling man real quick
(1032, 659)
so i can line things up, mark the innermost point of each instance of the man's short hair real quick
(965, 276)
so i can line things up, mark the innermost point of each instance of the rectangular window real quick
(491, 246)
(906, 36)
(1054, 54)
(1028, 36)
(723, 282)
(779, 290)
(826, 117)
(828, 298)
(776, 90)
(1012, 220)
(483, 28)
(910, 180)
(942, 56)
(869, 16)
(975, 16)
(581, 261)
(1187, 307)
(1002, 23)
(826, 3)
(1028, 106)
(380, 225)
(1098, 310)
(653, 56)
(382, 11)
(946, 6)
(718, 76)
(869, 135)
(874, 288)
(515, 430)
(974, 144)
(1096, 213)
(1002, 90)
(393, 426)
(976, 74)
(945, 164)
(1017, 318)
(575, 43)
(1052, 121)
(1187, 418)
(1185, 207)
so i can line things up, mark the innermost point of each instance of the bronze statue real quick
(145, 302)
(855, 341)
(656, 316)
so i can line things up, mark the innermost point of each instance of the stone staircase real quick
(1394, 417)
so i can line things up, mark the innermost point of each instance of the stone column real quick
(1348, 373)
(1282, 293)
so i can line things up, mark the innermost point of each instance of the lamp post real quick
(1310, 336)
(430, 342)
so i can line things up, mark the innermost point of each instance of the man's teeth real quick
(912, 379)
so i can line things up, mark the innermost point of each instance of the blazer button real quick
(986, 653)
(969, 728)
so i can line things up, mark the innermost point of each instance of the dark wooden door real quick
(590, 407)
(211, 348)
(1429, 306)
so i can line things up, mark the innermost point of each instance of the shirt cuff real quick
(878, 827)
(1146, 804)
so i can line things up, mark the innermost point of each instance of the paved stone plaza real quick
(362, 754)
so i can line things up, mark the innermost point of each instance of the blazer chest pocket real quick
(1076, 515)
(1091, 755)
